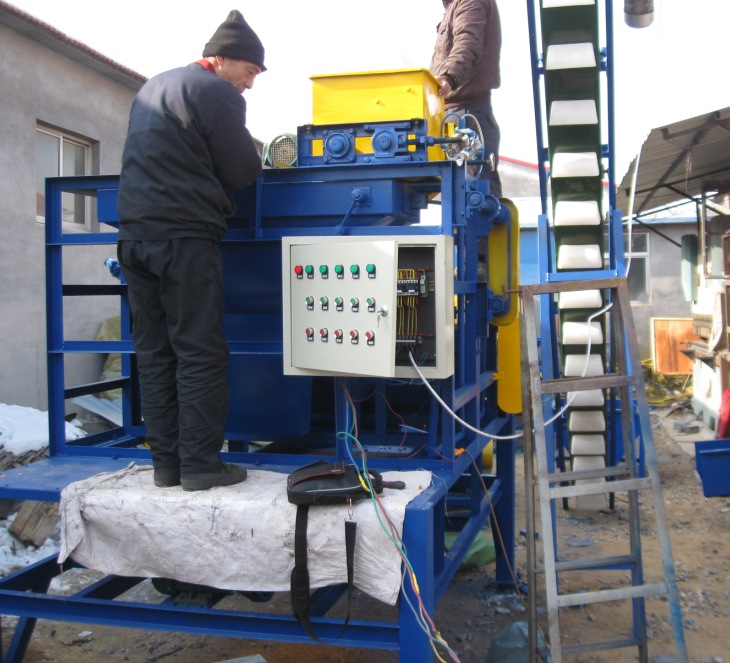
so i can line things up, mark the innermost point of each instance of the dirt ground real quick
(474, 610)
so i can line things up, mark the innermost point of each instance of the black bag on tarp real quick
(324, 483)
(330, 483)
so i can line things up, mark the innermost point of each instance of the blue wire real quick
(399, 546)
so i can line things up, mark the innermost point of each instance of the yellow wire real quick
(435, 651)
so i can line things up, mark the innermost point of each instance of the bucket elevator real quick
(348, 313)
(591, 431)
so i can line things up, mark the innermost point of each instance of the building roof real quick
(62, 44)
(676, 161)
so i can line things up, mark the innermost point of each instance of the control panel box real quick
(364, 305)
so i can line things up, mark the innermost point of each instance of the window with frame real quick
(61, 155)
(639, 277)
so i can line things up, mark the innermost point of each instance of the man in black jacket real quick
(466, 64)
(186, 146)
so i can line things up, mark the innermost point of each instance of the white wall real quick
(39, 85)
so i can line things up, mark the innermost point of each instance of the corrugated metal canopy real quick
(676, 161)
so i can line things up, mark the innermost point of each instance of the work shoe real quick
(167, 477)
(225, 475)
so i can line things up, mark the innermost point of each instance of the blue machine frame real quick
(318, 200)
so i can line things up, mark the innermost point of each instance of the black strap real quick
(300, 573)
(350, 536)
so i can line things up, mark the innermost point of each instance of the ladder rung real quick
(600, 646)
(605, 595)
(535, 289)
(598, 488)
(590, 563)
(614, 471)
(562, 385)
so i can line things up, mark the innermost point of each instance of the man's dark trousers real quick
(176, 300)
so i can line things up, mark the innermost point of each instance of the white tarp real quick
(238, 537)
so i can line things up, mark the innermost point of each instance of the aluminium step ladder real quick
(540, 475)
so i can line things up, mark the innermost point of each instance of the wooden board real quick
(668, 336)
(35, 522)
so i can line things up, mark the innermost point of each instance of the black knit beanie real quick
(235, 39)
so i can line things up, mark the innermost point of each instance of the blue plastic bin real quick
(713, 466)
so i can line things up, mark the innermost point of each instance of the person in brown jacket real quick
(466, 64)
